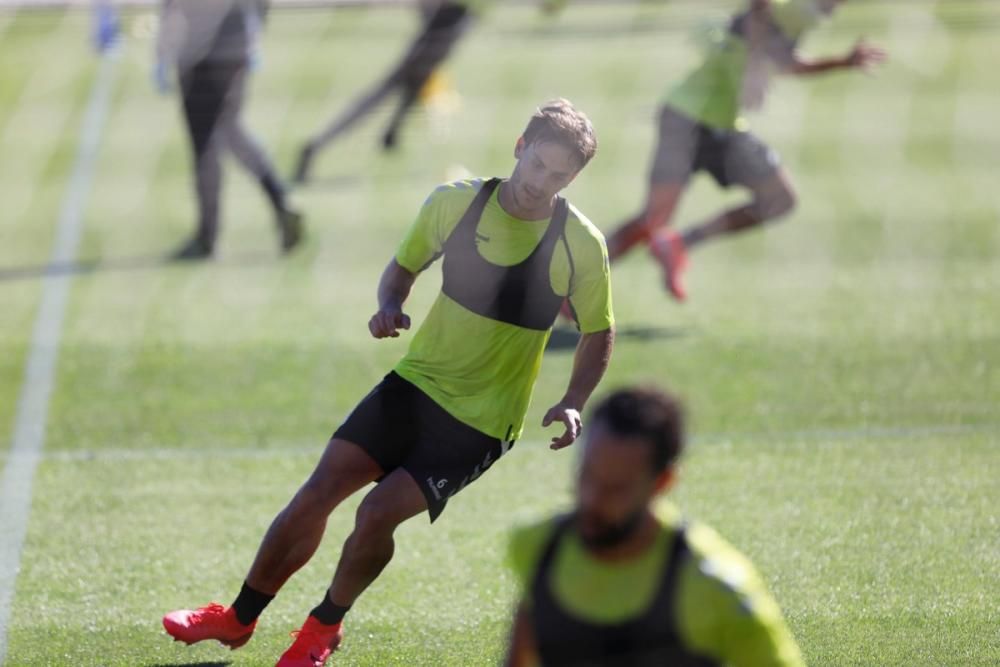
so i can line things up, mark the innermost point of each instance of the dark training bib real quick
(521, 294)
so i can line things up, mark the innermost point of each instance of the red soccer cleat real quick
(212, 621)
(668, 248)
(314, 643)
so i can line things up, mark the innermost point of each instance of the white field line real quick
(39, 377)
(290, 450)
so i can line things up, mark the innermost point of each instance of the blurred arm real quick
(863, 56)
(522, 651)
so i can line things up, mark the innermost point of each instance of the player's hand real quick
(570, 417)
(387, 322)
(865, 56)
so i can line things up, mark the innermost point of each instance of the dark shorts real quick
(401, 427)
(730, 156)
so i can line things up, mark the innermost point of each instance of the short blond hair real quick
(560, 122)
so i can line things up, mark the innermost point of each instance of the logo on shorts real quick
(437, 486)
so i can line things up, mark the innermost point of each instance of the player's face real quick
(615, 486)
(542, 170)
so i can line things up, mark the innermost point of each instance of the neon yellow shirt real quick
(724, 611)
(480, 370)
(711, 93)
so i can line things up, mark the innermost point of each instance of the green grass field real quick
(842, 369)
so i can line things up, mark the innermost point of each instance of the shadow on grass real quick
(566, 338)
(123, 264)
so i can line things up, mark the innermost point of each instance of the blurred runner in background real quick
(212, 46)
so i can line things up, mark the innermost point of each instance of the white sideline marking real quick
(39, 375)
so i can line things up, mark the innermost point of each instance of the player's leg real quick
(733, 158)
(370, 442)
(441, 32)
(365, 554)
(289, 543)
(370, 546)
(661, 202)
(755, 166)
(358, 110)
(673, 164)
(203, 93)
(254, 159)
(407, 99)
(296, 532)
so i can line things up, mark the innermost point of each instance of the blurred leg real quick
(773, 199)
(204, 92)
(661, 203)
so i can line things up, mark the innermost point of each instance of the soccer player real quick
(212, 46)
(617, 582)
(512, 250)
(444, 23)
(700, 128)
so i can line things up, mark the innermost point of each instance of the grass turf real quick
(841, 368)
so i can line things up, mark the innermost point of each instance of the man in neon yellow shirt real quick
(513, 251)
(618, 583)
(701, 128)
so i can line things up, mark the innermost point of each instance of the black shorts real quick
(399, 426)
(730, 156)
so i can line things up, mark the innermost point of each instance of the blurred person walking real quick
(212, 45)
(701, 129)
(624, 582)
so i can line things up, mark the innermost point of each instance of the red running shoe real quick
(668, 248)
(313, 644)
(212, 621)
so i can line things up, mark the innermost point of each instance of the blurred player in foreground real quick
(512, 250)
(212, 46)
(700, 128)
(617, 582)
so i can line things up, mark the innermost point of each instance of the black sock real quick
(249, 604)
(328, 613)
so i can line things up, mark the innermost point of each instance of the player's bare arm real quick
(862, 56)
(593, 354)
(393, 288)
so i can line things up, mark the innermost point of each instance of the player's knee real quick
(375, 519)
(775, 204)
(317, 496)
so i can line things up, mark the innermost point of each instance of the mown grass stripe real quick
(39, 377)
